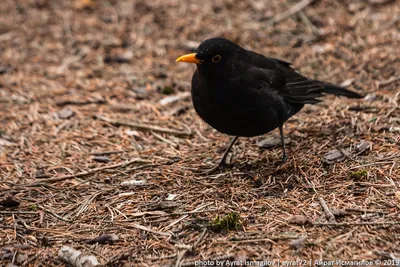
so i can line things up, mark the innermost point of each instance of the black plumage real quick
(243, 93)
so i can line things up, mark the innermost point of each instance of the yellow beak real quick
(190, 58)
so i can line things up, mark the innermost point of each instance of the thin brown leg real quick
(222, 163)
(284, 156)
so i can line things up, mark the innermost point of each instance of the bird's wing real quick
(278, 76)
(297, 88)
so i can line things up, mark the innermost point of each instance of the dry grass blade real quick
(291, 11)
(138, 126)
(84, 173)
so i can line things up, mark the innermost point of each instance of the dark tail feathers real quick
(336, 90)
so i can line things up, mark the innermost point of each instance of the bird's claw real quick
(283, 161)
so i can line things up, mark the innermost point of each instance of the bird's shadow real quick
(270, 178)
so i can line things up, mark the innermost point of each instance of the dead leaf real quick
(104, 239)
(334, 156)
(299, 219)
(339, 213)
(298, 243)
(21, 258)
(271, 141)
(363, 146)
(6, 255)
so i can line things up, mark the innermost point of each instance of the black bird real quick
(243, 93)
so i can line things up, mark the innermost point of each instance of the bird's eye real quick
(216, 59)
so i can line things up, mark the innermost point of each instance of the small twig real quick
(354, 223)
(314, 30)
(329, 215)
(366, 211)
(84, 205)
(80, 174)
(147, 229)
(180, 255)
(389, 81)
(101, 153)
(80, 103)
(186, 248)
(290, 12)
(252, 241)
(170, 256)
(142, 127)
(174, 145)
(52, 213)
(191, 212)
(203, 234)
(257, 238)
(371, 164)
(184, 216)
(370, 109)
(18, 212)
(376, 185)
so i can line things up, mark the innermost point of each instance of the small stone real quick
(65, 113)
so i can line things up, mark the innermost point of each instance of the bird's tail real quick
(336, 90)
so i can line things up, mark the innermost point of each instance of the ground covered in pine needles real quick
(100, 146)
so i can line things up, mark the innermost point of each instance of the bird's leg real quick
(284, 156)
(222, 162)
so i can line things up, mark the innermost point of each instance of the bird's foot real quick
(283, 161)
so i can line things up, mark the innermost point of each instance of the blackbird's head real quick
(215, 55)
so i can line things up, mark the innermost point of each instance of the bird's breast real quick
(233, 111)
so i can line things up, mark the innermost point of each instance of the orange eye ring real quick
(216, 59)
